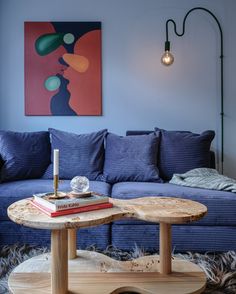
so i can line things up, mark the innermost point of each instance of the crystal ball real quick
(79, 184)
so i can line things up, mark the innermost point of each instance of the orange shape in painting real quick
(77, 62)
(85, 87)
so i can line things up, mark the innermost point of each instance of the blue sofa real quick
(215, 232)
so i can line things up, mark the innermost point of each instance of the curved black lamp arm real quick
(167, 47)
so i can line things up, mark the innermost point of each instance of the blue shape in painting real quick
(72, 28)
(60, 101)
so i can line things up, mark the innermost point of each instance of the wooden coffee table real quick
(93, 273)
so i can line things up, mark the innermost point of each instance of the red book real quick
(71, 210)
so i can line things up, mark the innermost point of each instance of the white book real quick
(68, 202)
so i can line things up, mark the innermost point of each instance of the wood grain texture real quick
(165, 248)
(72, 234)
(92, 272)
(59, 262)
(152, 209)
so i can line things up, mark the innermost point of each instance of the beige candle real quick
(55, 169)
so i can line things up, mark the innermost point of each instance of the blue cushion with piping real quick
(79, 155)
(181, 151)
(24, 155)
(131, 158)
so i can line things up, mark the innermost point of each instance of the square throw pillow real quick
(182, 151)
(79, 155)
(24, 155)
(131, 158)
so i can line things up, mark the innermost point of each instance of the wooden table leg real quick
(59, 265)
(165, 248)
(72, 233)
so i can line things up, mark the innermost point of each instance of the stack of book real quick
(68, 204)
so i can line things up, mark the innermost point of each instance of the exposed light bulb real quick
(167, 58)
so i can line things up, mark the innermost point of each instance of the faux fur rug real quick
(219, 268)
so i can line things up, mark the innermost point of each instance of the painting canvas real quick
(63, 68)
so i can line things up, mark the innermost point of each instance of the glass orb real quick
(167, 58)
(79, 184)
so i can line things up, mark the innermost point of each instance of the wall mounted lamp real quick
(167, 59)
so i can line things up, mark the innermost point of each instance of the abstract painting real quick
(63, 68)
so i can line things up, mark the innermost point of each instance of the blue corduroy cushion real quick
(184, 237)
(132, 158)
(80, 155)
(12, 233)
(182, 151)
(25, 155)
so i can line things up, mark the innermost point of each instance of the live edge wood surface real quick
(153, 209)
(93, 273)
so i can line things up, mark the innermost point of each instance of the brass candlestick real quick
(55, 182)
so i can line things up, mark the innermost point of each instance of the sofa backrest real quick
(144, 132)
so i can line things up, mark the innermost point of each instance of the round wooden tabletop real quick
(153, 209)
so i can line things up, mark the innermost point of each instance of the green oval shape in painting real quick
(47, 43)
(52, 83)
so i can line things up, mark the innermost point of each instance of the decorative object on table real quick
(55, 171)
(79, 209)
(80, 195)
(167, 59)
(63, 68)
(80, 186)
(60, 195)
(67, 202)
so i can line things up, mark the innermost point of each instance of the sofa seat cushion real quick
(12, 233)
(14, 191)
(221, 205)
(184, 237)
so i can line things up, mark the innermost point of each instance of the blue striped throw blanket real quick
(206, 178)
